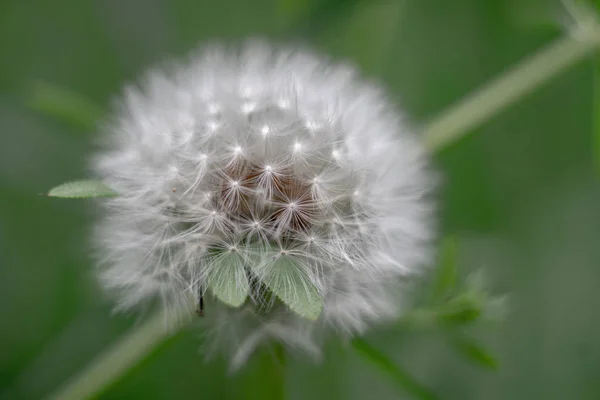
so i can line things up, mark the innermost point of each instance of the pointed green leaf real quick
(474, 352)
(82, 189)
(385, 364)
(285, 275)
(445, 279)
(496, 308)
(462, 309)
(227, 278)
(478, 281)
(64, 105)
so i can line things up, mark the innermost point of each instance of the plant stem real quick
(388, 366)
(596, 113)
(467, 114)
(121, 356)
(493, 97)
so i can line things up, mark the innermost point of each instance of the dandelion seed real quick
(265, 130)
(213, 109)
(323, 204)
(248, 107)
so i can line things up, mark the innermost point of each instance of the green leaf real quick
(227, 278)
(462, 309)
(64, 105)
(402, 378)
(478, 281)
(445, 281)
(82, 189)
(474, 352)
(284, 274)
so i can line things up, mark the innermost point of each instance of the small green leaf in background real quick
(283, 275)
(445, 279)
(478, 282)
(64, 105)
(462, 309)
(82, 189)
(227, 278)
(385, 364)
(496, 308)
(474, 352)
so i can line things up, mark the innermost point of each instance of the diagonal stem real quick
(121, 356)
(493, 97)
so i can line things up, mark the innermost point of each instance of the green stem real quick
(596, 113)
(495, 96)
(386, 365)
(450, 126)
(120, 357)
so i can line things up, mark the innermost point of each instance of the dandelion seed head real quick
(224, 183)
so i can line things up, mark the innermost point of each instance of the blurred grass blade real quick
(81, 190)
(386, 365)
(64, 105)
(445, 281)
(474, 352)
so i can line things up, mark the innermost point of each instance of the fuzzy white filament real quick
(262, 174)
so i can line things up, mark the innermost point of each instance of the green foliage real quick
(274, 273)
(228, 279)
(284, 276)
(446, 274)
(82, 189)
(474, 352)
(462, 309)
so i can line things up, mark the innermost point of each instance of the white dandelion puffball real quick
(272, 180)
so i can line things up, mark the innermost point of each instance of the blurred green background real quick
(521, 193)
